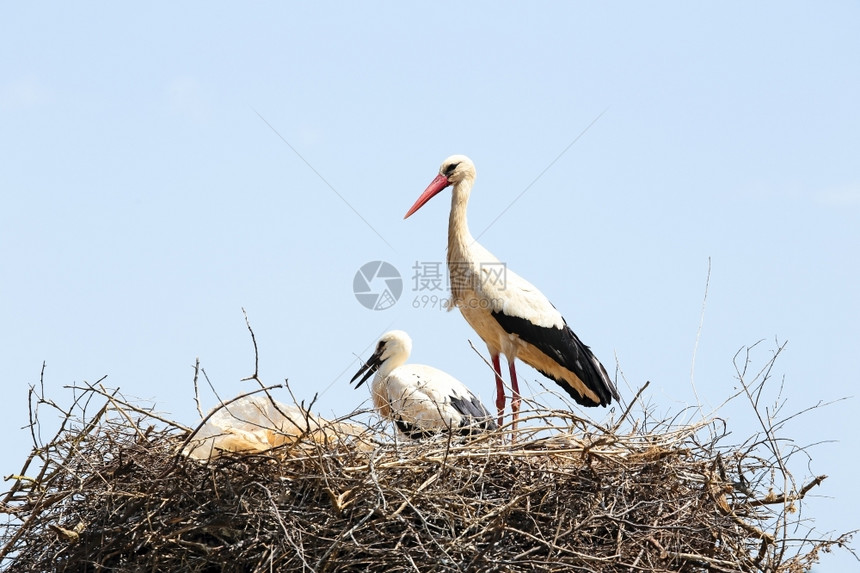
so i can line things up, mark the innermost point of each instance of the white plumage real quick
(420, 400)
(512, 316)
(253, 424)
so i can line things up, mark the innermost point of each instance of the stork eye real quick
(450, 169)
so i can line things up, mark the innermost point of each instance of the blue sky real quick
(145, 201)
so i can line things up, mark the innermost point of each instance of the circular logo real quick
(377, 285)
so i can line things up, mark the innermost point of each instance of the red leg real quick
(515, 399)
(500, 389)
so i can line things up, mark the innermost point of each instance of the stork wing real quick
(521, 309)
(427, 400)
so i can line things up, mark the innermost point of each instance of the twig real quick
(629, 407)
(196, 389)
(255, 375)
(111, 397)
(783, 498)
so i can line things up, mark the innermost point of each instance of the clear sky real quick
(147, 198)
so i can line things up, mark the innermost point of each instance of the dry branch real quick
(113, 494)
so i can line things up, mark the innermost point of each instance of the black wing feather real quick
(474, 414)
(564, 347)
(412, 431)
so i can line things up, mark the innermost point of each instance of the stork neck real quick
(459, 237)
(392, 363)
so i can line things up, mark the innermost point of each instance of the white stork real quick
(421, 400)
(509, 313)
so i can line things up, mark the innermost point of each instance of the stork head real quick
(453, 170)
(392, 350)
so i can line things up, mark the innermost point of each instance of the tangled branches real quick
(112, 491)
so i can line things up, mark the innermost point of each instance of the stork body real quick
(420, 400)
(511, 316)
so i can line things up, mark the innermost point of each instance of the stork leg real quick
(515, 399)
(500, 389)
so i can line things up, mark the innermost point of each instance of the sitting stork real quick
(509, 313)
(421, 400)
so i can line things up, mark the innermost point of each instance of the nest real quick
(113, 491)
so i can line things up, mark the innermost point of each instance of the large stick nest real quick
(112, 491)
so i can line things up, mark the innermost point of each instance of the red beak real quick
(435, 186)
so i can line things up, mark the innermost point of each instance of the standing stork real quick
(421, 400)
(509, 313)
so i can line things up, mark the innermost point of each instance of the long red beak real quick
(435, 186)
